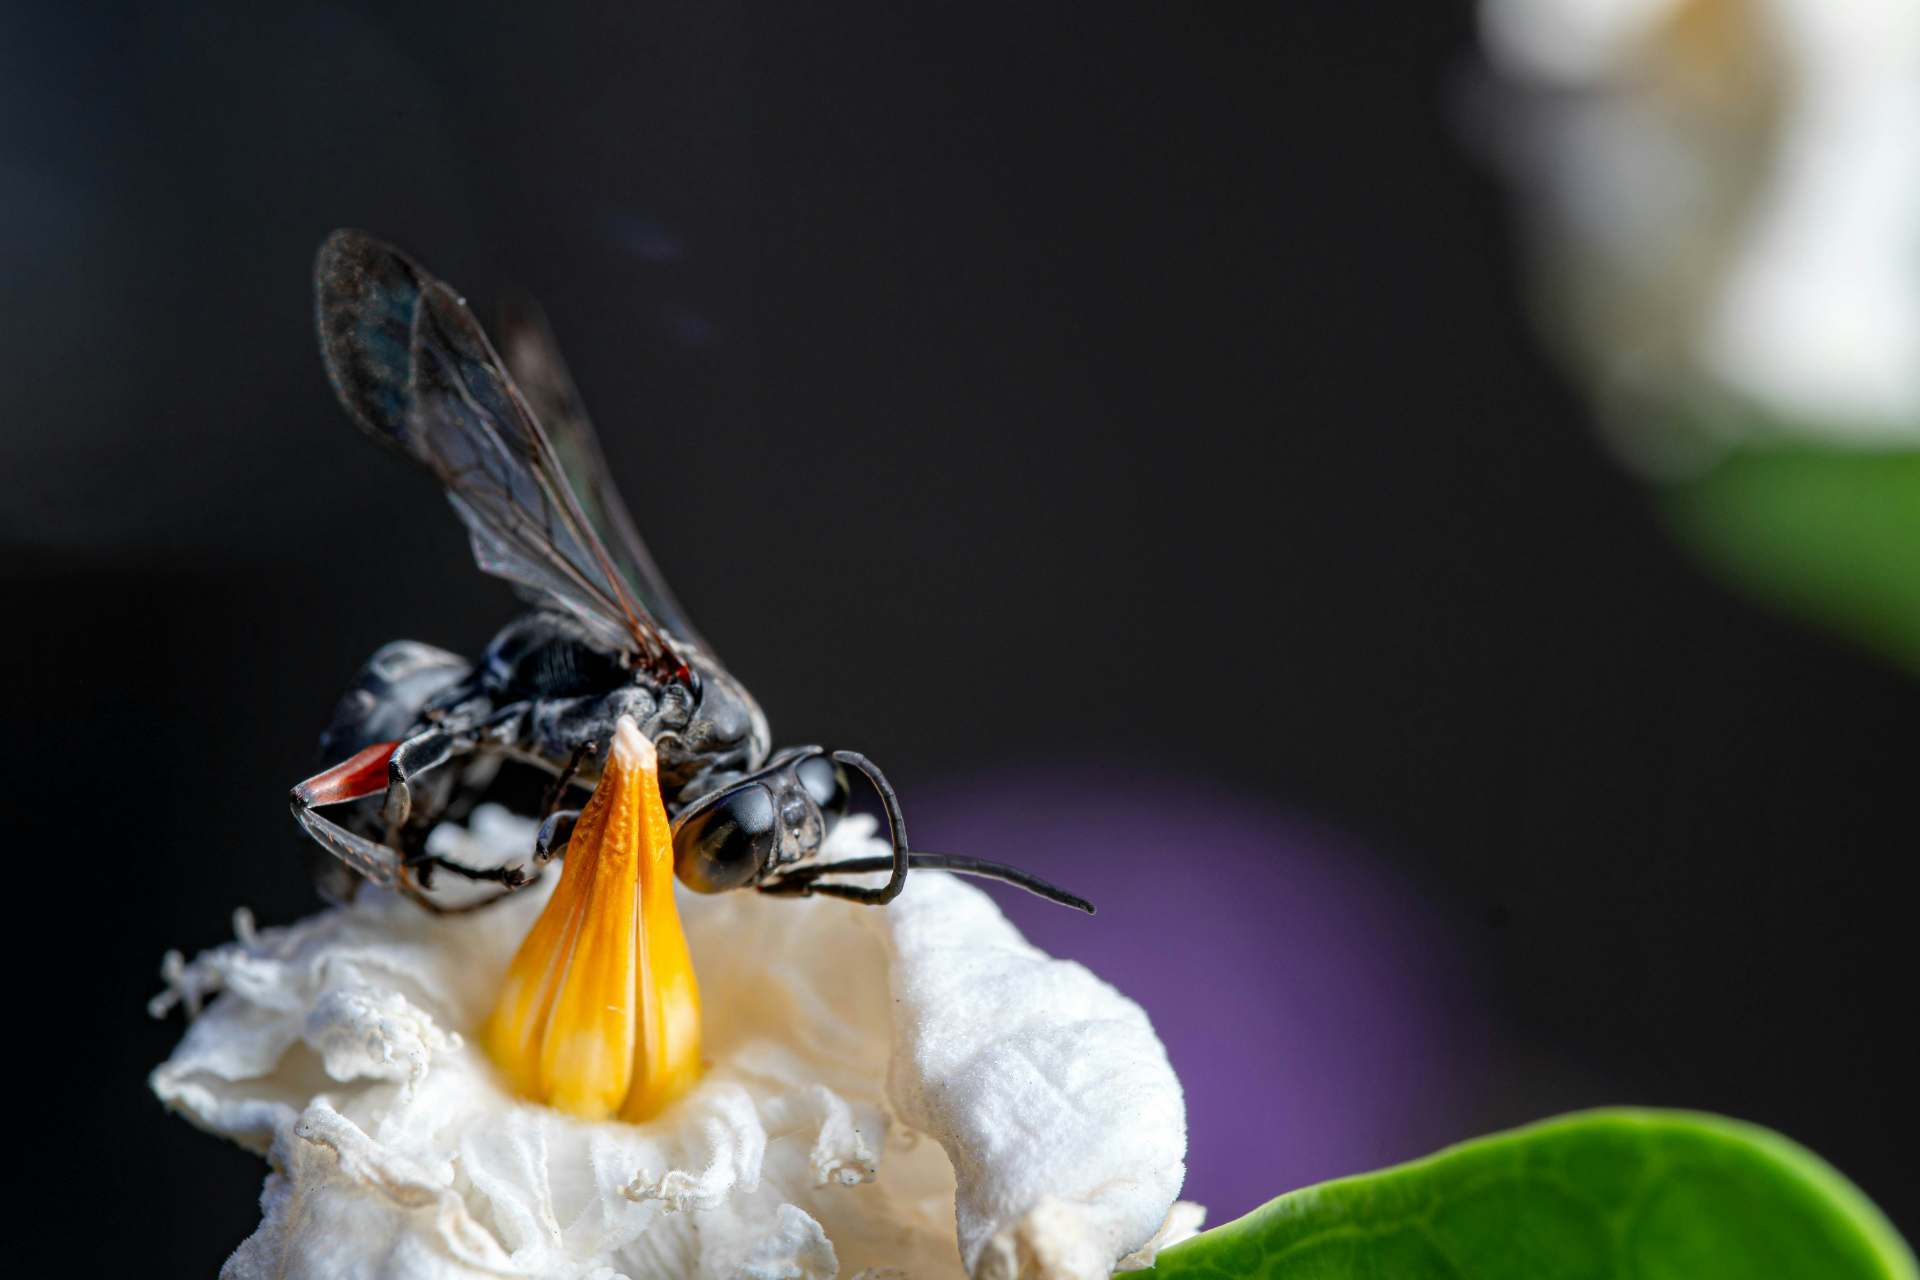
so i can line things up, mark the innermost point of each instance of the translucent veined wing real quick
(533, 357)
(415, 370)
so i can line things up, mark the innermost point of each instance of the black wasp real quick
(511, 445)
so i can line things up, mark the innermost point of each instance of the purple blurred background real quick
(1323, 1017)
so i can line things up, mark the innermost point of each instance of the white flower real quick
(903, 1091)
(1727, 199)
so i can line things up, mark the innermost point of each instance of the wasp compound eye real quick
(825, 783)
(727, 844)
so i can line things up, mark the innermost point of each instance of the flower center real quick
(600, 1014)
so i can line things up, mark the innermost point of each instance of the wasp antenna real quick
(896, 834)
(986, 870)
(807, 879)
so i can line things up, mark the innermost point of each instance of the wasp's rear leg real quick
(367, 774)
(377, 862)
(361, 775)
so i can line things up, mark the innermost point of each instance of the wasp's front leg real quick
(556, 827)
(554, 833)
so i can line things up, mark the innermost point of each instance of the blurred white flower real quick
(903, 1091)
(1726, 203)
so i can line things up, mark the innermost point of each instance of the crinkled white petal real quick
(910, 1091)
(1010, 1059)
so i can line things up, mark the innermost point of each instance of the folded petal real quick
(874, 1078)
(1047, 1088)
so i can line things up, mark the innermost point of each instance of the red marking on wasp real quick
(362, 774)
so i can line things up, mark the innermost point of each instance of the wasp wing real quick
(415, 371)
(533, 357)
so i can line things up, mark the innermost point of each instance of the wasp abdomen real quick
(385, 699)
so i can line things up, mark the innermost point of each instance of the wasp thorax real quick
(600, 1014)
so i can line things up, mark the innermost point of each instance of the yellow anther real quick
(600, 1014)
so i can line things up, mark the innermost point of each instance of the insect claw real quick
(553, 836)
(398, 807)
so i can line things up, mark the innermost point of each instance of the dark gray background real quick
(1139, 386)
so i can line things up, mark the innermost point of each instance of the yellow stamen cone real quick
(600, 1013)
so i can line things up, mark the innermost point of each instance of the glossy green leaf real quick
(1602, 1195)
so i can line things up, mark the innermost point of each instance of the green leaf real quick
(1830, 534)
(1601, 1195)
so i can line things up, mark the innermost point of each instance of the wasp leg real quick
(367, 774)
(554, 834)
(409, 760)
(442, 909)
(376, 862)
(557, 827)
(364, 774)
(513, 876)
(433, 749)
(361, 776)
(412, 758)
(551, 803)
(379, 863)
